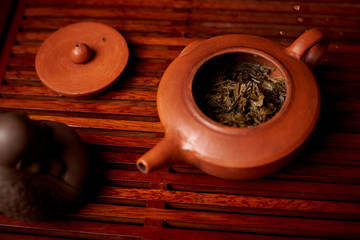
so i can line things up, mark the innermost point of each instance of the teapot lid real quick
(82, 59)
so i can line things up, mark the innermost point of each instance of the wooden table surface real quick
(315, 197)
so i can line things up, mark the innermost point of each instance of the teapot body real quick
(224, 151)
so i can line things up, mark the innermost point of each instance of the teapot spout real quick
(158, 157)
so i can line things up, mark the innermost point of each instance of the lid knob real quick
(80, 53)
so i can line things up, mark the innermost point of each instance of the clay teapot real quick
(229, 152)
(43, 168)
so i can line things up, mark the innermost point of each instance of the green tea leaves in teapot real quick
(244, 94)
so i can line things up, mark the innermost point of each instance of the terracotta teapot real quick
(229, 152)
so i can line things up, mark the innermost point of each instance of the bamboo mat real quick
(315, 197)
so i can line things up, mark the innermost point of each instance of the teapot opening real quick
(239, 89)
(142, 167)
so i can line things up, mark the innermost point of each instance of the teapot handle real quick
(310, 47)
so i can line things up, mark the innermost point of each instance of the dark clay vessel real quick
(43, 168)
(238, 153)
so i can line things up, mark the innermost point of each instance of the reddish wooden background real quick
(315, 197)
